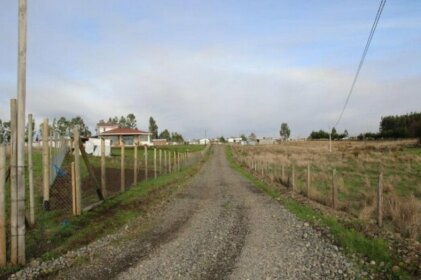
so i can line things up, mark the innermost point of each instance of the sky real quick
(224, 67)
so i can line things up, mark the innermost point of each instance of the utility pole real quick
(21, 130)
(330, 140)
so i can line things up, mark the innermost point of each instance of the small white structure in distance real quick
(235, 140)
(204, 141)
(93, 147)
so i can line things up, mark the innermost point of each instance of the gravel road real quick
(220, 227)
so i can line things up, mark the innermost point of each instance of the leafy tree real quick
(399, 126)
(222, 139)
(153, 128)
(415, 129)
(131, 121)
(243, 137)
(4, 131)
(63, 126)
(321, 134)
(165, 134)
(122, 122)
(83, 129)
(285, 132)
(333, 133)
(176, 137)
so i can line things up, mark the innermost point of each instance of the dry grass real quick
(405, 214)
(357, 165)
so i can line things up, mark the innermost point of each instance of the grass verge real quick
(352, 241)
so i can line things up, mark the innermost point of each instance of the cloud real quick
(194, 72)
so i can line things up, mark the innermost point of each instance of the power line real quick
(360, 65)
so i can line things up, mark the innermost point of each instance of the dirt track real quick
(220, 227)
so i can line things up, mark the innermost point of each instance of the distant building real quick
(266, 141)
(159, 142)
(204, 141)
(128, 136)
(194, 142)
(105, 126)
(236, 140)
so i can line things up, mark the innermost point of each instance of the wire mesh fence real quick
(121, 174)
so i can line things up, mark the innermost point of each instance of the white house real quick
(204, 141)
(234, 140)
(105, 126)
(93, 146)
(128, 136)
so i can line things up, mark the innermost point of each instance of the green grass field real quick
(357, 166)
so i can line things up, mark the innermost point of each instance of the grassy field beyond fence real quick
(357, 166)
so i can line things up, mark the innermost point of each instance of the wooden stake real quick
(334, 191)
(146, 162)
(13, 186)
(122, 168)
(169, 161)
(165, 161)
(45, 166)
(178, 161)
(380, 200)
(154, 164)
(283, 173)
(293, 178)
(2, 205)
(74, 198)
(21, 122)
(103, 169)
(160, 161)
(31, 173)
(330, 142)
(175, 161)
(78, 180)
(135, 168)
(308, 179)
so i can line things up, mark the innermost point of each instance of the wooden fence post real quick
(146, 162)
(30, 173)
(160, 161)
(13, 185)
(122, 168)
(78, 179)
(175, 161)
(2, 205)
(46, 166)
(21, 116)
(334, 191)
(169, 161)
(165, 161)
(283, 173)
(103, 169)
(154, 164)
(135, 168)
(308, 179)
(178, 161)
(380, 200)
(74, 196)
(293, 178)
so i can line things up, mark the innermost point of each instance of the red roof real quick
(124, 131)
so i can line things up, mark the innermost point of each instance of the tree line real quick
(63, 126)
(391, 127)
